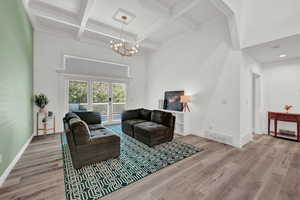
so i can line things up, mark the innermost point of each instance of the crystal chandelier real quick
(123, 47)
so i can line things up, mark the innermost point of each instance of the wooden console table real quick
(285, 117)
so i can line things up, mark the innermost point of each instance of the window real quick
(101, 99)
(105, 97)
(78, 95)
(118, 100)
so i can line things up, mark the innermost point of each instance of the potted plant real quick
(41, 101)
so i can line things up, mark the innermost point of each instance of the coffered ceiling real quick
(153, 21)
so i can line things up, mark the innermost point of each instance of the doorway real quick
(105, 96)
(256, 103)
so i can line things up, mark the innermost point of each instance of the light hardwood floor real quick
(266, 169)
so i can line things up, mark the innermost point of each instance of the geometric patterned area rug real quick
(136, 161)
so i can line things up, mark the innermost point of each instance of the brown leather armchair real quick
(89, 142)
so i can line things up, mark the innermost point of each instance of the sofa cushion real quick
(162, 117)
(131, 114)
(151, 133)
(150, 129)
(90, 117)
(128, 126)
(94, 127)
(133, 122)
(103, 136)
(145, 114)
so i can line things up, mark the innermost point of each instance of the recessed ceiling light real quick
(276, 47)
(282, 55)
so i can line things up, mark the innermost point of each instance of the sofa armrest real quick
(131, 114)
(80, 131)
(162, 117)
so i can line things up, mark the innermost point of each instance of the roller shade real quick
(83, 66)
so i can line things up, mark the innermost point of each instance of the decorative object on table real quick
(172, 100)
(287, 108)
(45, 121)
(135, 162)
(185, 99)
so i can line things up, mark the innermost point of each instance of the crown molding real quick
(176, 12)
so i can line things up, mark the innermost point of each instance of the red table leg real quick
(269, 126)
(275, 128)
(298, 132)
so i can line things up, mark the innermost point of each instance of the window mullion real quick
(90, 94)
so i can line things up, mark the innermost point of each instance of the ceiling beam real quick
(96, 28)
(183, 7)
(232, 22)
(55, 20)
(43, 7)
(85, 13)
(160, 8)
(156, 6)
(178, 11)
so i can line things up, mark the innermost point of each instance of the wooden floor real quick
(266, 169)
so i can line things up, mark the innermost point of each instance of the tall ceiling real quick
(154, 21)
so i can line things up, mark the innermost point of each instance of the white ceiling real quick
(203, 12)
(271, 51)
(69, 5)
(156, 20)
(105, 9)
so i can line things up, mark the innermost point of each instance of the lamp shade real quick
(185, 99)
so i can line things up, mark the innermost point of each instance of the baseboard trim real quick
(219, 136)
(246, 139)
(14, 161)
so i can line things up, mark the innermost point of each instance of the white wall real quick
(48, 55)
(267, 20)
(203, 64)
(282, 87)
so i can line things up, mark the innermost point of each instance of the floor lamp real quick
(185, 100)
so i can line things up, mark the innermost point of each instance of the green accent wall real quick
(16, 66)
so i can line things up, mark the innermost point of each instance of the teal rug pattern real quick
(136, 161)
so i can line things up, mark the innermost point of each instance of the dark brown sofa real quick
(150, 127)
(88, 140)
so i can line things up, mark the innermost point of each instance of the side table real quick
(45, 127)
